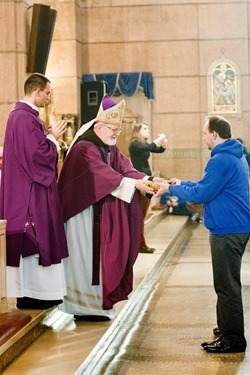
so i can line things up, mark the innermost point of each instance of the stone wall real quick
(176, 40)
(12, 56)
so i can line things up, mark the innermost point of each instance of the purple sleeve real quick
(36, 155)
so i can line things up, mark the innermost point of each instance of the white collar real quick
(30, 104)
(82, 130)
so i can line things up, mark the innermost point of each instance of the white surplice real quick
(82, 298)
(45, 283)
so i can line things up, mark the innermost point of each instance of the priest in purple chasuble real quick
(99, 192)
(35, 235)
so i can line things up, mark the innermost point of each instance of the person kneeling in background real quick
(178, 206)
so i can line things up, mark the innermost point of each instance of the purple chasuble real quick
(86, 179)
(29, 196)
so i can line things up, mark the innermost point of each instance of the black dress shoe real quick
(205, 343)
(91, 318)
(223, 347)
(216, 332)
(146, 249)
(36, 304)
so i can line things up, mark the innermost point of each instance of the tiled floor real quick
(163, 335)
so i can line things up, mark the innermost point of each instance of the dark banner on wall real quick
(125, 84)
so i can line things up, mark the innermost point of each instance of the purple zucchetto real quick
(111, 112)
(107, 102)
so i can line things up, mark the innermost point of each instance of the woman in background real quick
(139, 151)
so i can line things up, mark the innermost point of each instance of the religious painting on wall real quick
(224, 89)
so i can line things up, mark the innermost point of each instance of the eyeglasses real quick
(47, 93)
(118, 130)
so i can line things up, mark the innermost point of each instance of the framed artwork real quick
(223, 85)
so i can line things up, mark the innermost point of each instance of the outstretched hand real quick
(164, 185)
(143, 186)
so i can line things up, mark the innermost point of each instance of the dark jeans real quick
(227, 251)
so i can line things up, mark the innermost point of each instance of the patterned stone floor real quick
(165, 338)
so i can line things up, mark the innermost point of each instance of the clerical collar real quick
(30, 104)
(91, 136)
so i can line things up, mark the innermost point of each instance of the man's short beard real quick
(112, 142)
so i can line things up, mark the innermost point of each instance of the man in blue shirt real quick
(224, 190)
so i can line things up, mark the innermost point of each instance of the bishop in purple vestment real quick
(100, 192)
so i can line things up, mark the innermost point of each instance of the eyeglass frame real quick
(119, 130)
(47, 93)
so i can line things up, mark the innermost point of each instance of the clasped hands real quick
(58, 128)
